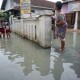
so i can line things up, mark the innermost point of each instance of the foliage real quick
(4, 15)
(1, 14)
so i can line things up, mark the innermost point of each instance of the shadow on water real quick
(43, 64)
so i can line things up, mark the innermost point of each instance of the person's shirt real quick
(61, 16)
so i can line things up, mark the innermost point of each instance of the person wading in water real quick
(61, 24)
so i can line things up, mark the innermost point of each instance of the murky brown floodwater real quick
(21, 59)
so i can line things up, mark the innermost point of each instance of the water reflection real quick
(71, 65)
(41, 64)
(74, 38)
(57, 63)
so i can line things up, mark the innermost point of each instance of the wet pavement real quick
(21, 59)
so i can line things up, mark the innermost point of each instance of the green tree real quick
(4, 15)
(1, 14)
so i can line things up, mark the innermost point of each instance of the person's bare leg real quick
(0, 34)
(7, 35)
(62, 44)
(3, 35)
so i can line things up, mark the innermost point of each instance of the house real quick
(13, 6)
(72, 10)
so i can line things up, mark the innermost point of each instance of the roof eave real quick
(41, 7)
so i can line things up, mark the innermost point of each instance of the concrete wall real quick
(8, 5)
(79, 20)
(36, 29)
(65, 8)
(38, 11)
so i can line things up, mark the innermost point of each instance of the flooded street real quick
(21, 59)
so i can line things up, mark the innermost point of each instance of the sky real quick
(48, 0)
(54, 0)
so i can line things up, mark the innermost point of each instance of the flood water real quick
(21, 59)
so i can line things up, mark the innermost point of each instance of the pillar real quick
(44, 32)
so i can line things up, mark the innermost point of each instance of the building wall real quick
(74, 6)
(65, 8)
(35, 11)
(70, 9)
(79, 20)
(70, 17)
(39, 11)
(8, 5)
(11, 3)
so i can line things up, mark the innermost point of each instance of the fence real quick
(37, 29)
